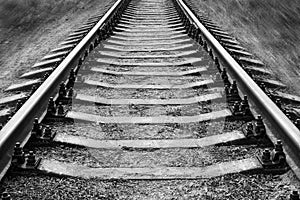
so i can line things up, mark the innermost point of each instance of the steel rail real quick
(18, 127)
(282, 128)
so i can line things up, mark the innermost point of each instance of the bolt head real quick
(18, 144)
(278, 146)
(266, 156)
(250, 126)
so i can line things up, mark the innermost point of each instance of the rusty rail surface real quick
(19, 126)
(281, 127)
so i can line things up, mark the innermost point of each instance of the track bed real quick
(150, 115)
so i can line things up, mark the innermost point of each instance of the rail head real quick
(281, 127)
(17, 129)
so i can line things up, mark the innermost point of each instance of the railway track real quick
(145, 103)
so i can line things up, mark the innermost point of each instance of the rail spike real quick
(225, 78)
(37, 130)
(233, 94)
(217, 64)
(62, 91)
(60, 109)
(21, 162)
(48, 134)
(71, 79)
(40, 135)
(51, 110)
(201, 42)
(31, 161)
(274, 161)
(210, 52)
(205, 47)
(18, 157)
(255, 132)
(70, 93)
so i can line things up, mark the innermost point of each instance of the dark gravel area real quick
(177, 157)
(124, 61)
(148, 111)
(143, 48)
(141, 93)
(148, 69)
(146, 54)
(144, 131)
(145, 80)
(228, 187)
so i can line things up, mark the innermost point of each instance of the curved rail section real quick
(19, 126)
(282, 128)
